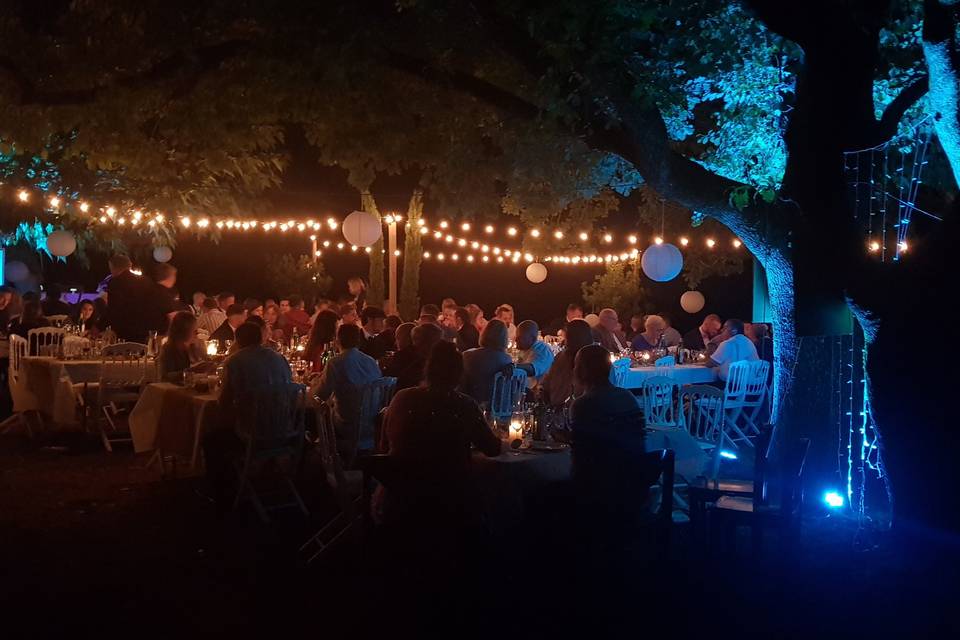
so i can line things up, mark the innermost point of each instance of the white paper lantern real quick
(162, 254)
(662, 262)
(361, 228)
(592, 319)
(692, 301)
(61, 243)
(16, 271)
(536, 272)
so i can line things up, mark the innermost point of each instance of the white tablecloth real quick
(52, 381)
(684, 374)
(172, 419)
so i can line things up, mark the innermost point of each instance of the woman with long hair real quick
(358, 292)
(559, 383)
(31, 318)
(322, 333)
(481, 365)
(271, 316)
(181, 350)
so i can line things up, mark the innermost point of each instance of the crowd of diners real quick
(444, 360)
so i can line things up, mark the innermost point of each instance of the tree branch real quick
(887, 127)
(198, 61)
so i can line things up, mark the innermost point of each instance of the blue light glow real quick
(729, 455)
(833, 499)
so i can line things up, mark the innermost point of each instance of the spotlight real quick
(833, 499)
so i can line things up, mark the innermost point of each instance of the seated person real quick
(31, 318)
(468, 337)
(341, 382)
(252, 367)
(735, 348)
(181, 351)
(653, 326)
(535, 356)
(636, 326)
(322, 334)
(698, 339)
(430, 431)
(559, 384)
(671, 336)
(608, 439)
(88, 319)
(373, 320)
(226, 332)
(211, 317)
(415, 343)
(482, 364)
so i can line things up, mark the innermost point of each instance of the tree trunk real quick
(375, 286)
(409, 304)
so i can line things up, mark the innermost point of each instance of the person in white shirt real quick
(212, 316)
(535, 356)
(504, 314)
(735, 348)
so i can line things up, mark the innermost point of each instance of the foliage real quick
(618, 287)
(298, 274)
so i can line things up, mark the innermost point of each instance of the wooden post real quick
(392, 267)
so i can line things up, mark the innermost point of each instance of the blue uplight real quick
(833, 499)
(729, 455)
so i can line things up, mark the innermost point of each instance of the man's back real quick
(253, 368)
(129, 307)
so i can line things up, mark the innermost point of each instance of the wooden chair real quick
(24, 402)
(729, 511)
(508, 391)
(702, 412)
(374, 398)
(117, 391)
(744, 395)
(271, 420)
(661, 402)
(347, 487)
(45, 341)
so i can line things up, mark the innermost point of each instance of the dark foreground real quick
(94, 543)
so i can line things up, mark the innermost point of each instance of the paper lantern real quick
(162, 254)
(536, 272)
(662, 262)
(592, 319)
(16, 271)
(361, 228)
(61, 243)
(692, 301)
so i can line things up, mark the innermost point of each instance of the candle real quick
(516, 431)
(212, 348)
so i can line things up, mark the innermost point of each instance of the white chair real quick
(271, 420)
(744, 395)
(24, 402)
(347, 489)
(660, 402)
(121, 381)
(665, 362)
(129, 349)
(619, 372)
(374, 398)
(45, 341)
(702, 407)
(58, 320)
(507, 394)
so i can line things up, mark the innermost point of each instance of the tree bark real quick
(409, 304)
(375, 285)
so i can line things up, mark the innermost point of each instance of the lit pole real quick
(391, 304)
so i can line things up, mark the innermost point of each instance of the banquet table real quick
(683, 373)
(52, 382)
(172, 419)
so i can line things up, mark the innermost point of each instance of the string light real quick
(23, 195)
(54, 202)
(711, 242)
(684, 241)
(489, 228)
(736, 243)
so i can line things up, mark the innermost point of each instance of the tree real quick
(298, 274)
(739, 113)
(618, 288)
